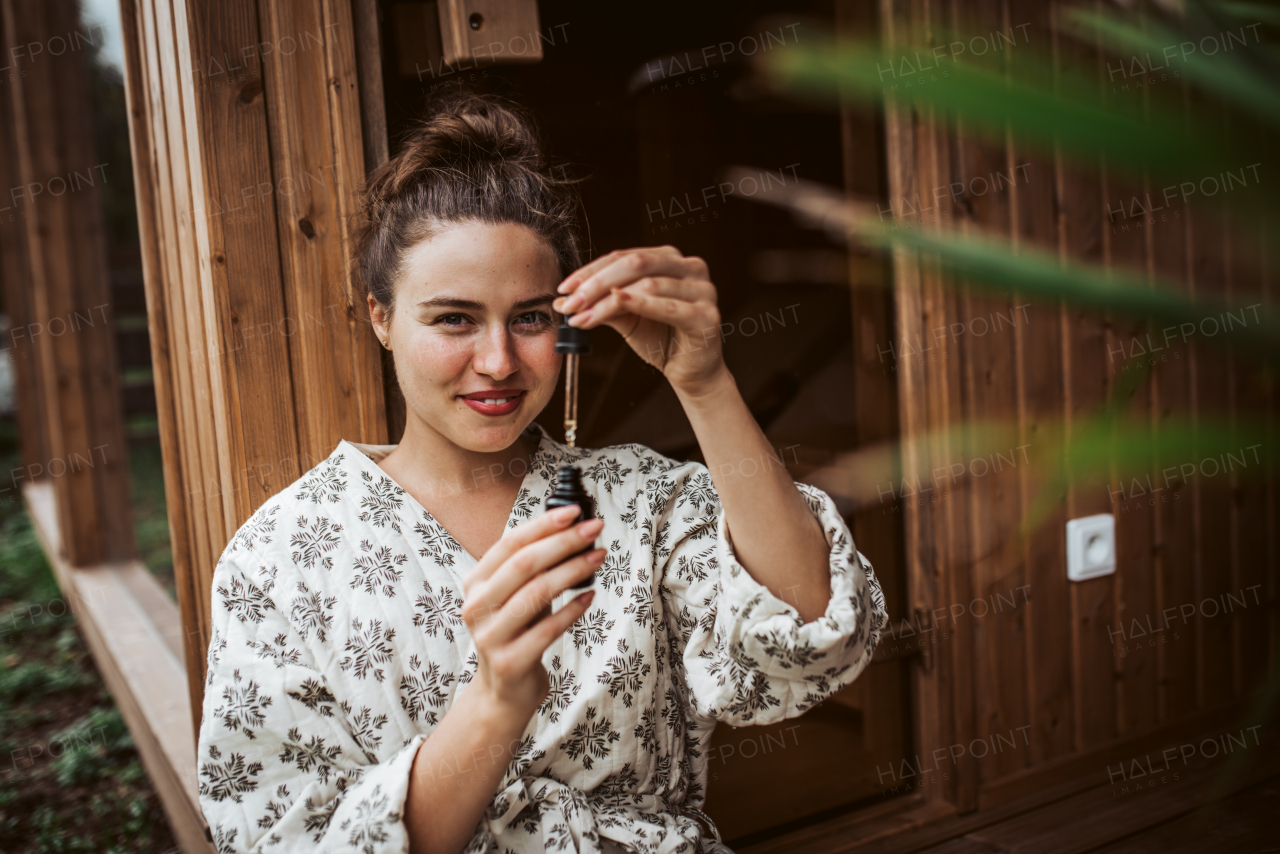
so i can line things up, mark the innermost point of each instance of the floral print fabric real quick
(338, 645)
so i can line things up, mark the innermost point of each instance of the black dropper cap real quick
(571, 339)
(568, 490)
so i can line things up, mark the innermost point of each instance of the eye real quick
(453, 320)
(533, 319)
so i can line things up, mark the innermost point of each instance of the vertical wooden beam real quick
(58, 175)
(991, 379)
(313, 118)
(248, 129)
(918, 158)
(147, 165)
(373, 108)
(15, 285)
(876, 530)
(1041, 388)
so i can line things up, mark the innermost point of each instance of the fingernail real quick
(580, 318)
(573, 303)
(565, 286)
(558, 304)
(597, 556)
(590, 528)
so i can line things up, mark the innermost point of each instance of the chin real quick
(488, 438)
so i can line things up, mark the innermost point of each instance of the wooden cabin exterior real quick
(1004, 687)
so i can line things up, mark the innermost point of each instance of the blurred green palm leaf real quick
(992, 265)
(1052, 109)
(1222, 72)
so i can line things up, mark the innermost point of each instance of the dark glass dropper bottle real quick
(572, 342)
(568, 490)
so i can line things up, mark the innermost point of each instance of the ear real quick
(381, 323)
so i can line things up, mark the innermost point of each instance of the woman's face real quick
(473, 333)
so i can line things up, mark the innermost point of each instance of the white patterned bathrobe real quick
(338, 645)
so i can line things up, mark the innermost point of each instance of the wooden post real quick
(70, 321)
(15, 285)
(247, 136)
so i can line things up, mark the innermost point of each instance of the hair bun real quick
(469, 132)
(473, 157)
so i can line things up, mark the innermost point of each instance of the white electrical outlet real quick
(1091, 546)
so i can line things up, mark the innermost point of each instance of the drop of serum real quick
(568, 490)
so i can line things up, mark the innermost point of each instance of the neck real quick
(432, 465)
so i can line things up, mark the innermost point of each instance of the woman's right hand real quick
(507, 598)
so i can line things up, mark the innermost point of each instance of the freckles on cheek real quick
(437, 358)
(540, 355)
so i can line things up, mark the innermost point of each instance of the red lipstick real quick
(502, 401)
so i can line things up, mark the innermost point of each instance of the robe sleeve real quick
(747, 656)
(284, 765)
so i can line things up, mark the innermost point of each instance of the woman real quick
(397, 661)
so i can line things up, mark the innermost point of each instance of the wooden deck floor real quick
(1219, 800)
(1220, 804)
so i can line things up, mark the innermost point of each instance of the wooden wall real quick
(246, 132)
(1064, 671)
(55, 277)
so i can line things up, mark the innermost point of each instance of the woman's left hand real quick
(662, 303)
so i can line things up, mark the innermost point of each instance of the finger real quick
(592, 317)
(586, 271)
(517, 538)
(531, 645)
(625, 269)
(534, 559)
(690, 289)
(538, 593)
(688, 317)
(611, 307)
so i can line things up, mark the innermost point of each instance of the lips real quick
(494, 402)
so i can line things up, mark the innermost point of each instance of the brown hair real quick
(473, 158)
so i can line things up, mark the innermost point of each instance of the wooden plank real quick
(1130, 248)
(1041, 382)
(313, 120)
(1258, 629)
(143, 127)
(66, 256)
(1212, 371)
(1133, 245)
(1115, 814)
(476, 33)
(916, 825)
(15, 282)
(1085, 342)
(878, 534)
(1173, 402)
(130, 624)
(373, 110)
(251, 395)
(917, 156)
(849, 832)
(992, 494)
(268, 364)
(1034, 789)
(1240, 823)
(1252, 400)
(1089, 761)
(196, 452)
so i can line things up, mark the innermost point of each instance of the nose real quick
(495, 353)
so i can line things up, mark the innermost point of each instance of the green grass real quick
(70, 778)
(150, 519)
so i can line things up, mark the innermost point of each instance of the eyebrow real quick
(472, 305)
